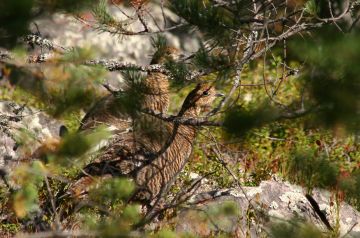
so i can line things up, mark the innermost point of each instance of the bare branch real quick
(38, 40)
(182, 120)
(113, 65)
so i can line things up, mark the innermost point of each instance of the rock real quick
(21, 124)
(271, 202)
(66, 31)
(70, 32)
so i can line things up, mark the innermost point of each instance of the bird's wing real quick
(116, 160)
(106, 112)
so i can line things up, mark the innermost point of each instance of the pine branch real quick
(182, 120)
(113, 65)
(205, 122)
(34, 39)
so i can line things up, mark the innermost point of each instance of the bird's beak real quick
(219, 95)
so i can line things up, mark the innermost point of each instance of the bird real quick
(153, 92)
(152, 172)
(111, 112)
(158, 175)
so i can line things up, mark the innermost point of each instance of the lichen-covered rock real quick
(67, 31)
(270, 202)
(22, 129)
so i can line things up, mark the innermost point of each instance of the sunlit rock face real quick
(67, 31)
(256, 209)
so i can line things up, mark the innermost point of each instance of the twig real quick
(113, 65)
(353, 24)
(228, 97)
(333, 19)
(52, 201)
(38, 40)
(182, 120)
(217, 152)
(332, 16)
(163, 12)
(348, 232)
(139, 11)
(180, 198)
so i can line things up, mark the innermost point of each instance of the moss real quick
(9, 229)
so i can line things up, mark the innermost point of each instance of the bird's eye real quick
(206, 93)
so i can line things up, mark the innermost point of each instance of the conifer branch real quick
(33, 39)
(182, 120)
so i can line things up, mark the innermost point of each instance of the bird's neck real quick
(170, 160)
(157, 103)
(156, 96)
(192, 112)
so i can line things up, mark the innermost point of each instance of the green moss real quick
(9, 228)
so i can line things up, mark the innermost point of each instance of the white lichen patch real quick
(2, 107)
(274, 205)
(236, 193)
(292, 199)
(193, 175)
(348, 220)
(250, 192)
(254, 191)
(32, 123)
(46, 133)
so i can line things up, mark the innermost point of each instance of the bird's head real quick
(166, 54)
(199, 99)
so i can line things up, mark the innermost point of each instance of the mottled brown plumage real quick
(153, 164)
(127, 139)
(157, 175)
(153, 94)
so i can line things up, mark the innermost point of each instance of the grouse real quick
(151, 171)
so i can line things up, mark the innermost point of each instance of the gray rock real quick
(21, 124)
(70, 32)
(66, 31)
(271, 202)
